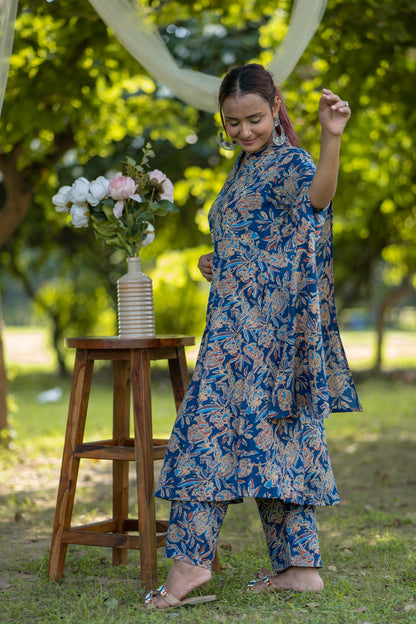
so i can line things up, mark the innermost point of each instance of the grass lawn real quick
(368, 542)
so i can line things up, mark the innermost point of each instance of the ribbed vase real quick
(136, 315)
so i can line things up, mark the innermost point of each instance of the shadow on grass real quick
(368, 542)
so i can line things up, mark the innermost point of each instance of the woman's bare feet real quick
(294, 579)
(181, 580)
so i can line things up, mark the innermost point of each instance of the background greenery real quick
(77, 104)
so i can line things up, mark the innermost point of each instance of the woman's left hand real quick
(333, 112)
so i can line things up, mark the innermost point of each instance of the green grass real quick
(368, 542)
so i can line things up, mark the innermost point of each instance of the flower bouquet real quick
(120, 209)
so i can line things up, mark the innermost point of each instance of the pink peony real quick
(167, 184)
(120, 188)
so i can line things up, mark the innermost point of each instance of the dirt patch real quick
(27, 502)
(27, 348)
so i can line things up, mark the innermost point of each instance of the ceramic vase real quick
(136, 316)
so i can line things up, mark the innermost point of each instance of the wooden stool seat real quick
(131, 378)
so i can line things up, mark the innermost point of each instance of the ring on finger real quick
(346, 104)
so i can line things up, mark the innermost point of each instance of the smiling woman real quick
(249, 121)
(271, 366)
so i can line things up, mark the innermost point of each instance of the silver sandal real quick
(172, 600)
(266, 581)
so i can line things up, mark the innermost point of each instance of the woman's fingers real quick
(335, 101)
(205, 265)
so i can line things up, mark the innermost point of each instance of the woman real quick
(271, 365)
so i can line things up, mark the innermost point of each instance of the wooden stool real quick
(131, 367)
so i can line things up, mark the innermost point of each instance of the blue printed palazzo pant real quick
(290, 531)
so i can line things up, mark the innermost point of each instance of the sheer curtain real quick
(131, 25)
(8, 9)
(127, 19)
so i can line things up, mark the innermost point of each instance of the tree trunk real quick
(392, 297)
(4, 425)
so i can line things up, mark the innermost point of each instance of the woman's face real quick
(249, 120)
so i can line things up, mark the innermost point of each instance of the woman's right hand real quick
(205, 265)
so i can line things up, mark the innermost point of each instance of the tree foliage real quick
(77, 103)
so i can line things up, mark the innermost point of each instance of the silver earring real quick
(278, 139)
(227, 145)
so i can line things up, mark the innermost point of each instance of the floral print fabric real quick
(271, 365)
(290, 530)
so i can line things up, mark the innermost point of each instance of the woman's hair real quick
(253, 78)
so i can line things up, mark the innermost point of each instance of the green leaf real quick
(103, 229)
(137, 230)
(168, 206)
(99, 216)
(108, 211)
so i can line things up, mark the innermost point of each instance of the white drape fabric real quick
(8, 9)
(129, 22)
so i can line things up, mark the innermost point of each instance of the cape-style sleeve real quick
(313, 372)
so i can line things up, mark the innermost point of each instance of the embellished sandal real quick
(172, 601)
(266, 581)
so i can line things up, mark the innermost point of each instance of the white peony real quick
(98, 190)
(61, 200)
(80, 215)
(150, 235)
(79, 191)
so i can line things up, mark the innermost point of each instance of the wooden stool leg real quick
(216, 566)
(78, 404)
(121, 432)
(142, 408)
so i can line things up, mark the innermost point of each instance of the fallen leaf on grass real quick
(227, 566)
(346, 544)
(333, 568)
(409, 607)
(312, 605)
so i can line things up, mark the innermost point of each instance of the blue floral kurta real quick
(271, 365)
